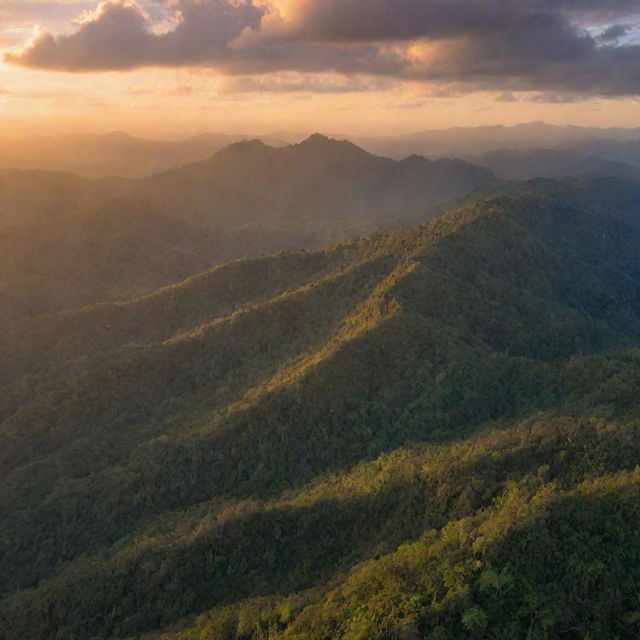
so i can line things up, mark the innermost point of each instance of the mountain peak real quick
(246, 146)
(316, 139)
(318, 136)
(321, 143)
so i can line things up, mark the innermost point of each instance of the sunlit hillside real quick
(371, 440)
(319, 320)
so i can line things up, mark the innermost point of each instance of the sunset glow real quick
(304, 66)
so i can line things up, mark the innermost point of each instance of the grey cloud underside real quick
(614, 32)
(305, 84)
(481, 44)
(119, 38)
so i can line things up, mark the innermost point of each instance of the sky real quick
(170, 68)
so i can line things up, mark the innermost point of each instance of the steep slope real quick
(375, 441)
(158, 316)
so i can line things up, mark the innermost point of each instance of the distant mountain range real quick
(313, 184)
(430, 432)
(118, 154)
(626, 152)
(557, 163)
(67, 241)
(112, 154)
(64, 238)
(463, 141)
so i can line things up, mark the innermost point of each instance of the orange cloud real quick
(501, 45)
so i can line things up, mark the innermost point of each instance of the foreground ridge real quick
(425, 433)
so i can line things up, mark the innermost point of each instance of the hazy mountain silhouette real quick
(112, 154)
(552, 163)
(122, 155)
(319, 181)
(464, 141)
(626, 152)
(69, 241)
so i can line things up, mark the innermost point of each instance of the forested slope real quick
(427, 433)
(67, 242)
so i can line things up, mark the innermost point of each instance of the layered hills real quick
(119, 154)
(429, 432)
(554, 163)
(527, 136)
(114, 154)
(68, 241)
(318, 182)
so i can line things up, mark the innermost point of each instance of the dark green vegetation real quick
(66, 241)
(428, 433)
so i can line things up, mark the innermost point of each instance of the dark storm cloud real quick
(407, 19)
(379, 20)
(508, 45)
(614, 32)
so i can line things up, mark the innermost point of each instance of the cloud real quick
(555, 98)
(17, 17)
(506, 96)
(409, 19)
(304, 83)
(118, 35)
(506, 45)
(181, 91)
(614, 32)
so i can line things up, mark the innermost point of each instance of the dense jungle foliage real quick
(428, 433)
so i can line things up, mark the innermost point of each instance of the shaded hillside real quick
(381, 440)
(318, 183)
(66, 242)
(120, 249)
(552, 163)
(605, 195)
(625, 151)
(30, 196)
(462, 141)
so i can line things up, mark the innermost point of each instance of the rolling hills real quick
(113, 154)
(119, 154)
(430, 432)
(553, 163)
(526, 136)
(67, 241)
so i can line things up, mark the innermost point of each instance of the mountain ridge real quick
(247, 200)
(200, 471)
